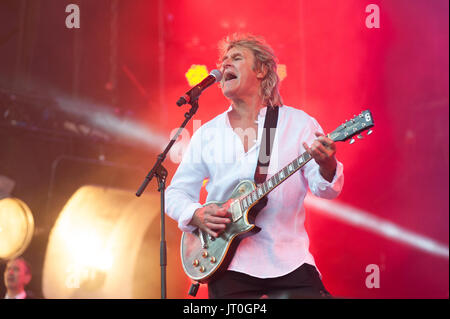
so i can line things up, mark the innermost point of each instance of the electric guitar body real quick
(204, 255)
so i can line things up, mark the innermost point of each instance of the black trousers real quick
(304, 282)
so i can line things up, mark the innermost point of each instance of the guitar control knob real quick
(213, 259)
(202, 269)
(204, 254)
(195, 263)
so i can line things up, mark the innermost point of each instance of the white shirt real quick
(22, 295)
(216, 152)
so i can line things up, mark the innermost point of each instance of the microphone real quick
(194, 93)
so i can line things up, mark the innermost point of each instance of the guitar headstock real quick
(355, 126)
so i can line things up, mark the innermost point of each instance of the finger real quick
(223, 211)
(329, 150)
(306, 147)
(212, 233)
(323, 152)
(318, 151)
(213, 226)
(213, 207)
(327, 142)
(214, 230)
(319, 134)
(218, 220)
(318, 156)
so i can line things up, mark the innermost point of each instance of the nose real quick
(225, 64)
(224, 67)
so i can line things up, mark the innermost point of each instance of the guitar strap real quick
(265, 150)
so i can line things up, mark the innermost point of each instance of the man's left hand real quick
(323, 151)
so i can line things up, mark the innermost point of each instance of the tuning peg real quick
(352, 141)
(360, 136)
(369, 132)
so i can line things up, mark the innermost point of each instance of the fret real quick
(306, 157)
(243, 204)
(264, 187)
(259, 191)
(279, 177)
(268, 185)
(290, 168)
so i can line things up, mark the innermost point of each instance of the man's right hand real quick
(211, 218)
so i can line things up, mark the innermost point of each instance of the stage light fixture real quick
(16, 227)
(105, 244)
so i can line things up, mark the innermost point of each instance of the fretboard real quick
(274, 181)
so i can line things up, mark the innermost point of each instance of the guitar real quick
(204, 256)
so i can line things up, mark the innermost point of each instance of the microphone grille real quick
(217, 74)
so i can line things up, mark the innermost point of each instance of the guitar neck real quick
(265, 188)
(345, 131)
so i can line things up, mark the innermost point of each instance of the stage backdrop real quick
(387, 234)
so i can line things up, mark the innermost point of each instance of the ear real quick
(262, 72)
(27, 279)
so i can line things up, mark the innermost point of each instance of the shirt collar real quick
(262, 111)
(22, 295)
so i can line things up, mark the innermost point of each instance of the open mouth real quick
(229, 76)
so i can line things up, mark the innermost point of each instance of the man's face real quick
(16, 276)
(240, 80)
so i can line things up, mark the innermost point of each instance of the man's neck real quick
(247, 110)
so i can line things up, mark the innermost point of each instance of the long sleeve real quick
(317, 184)
(182, 196)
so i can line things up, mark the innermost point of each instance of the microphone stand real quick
(161, 174)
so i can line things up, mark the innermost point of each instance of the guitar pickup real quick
(235, 209)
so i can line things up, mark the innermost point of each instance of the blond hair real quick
(265, 60)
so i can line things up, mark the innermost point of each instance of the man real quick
(275, 262)
(16, 276)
